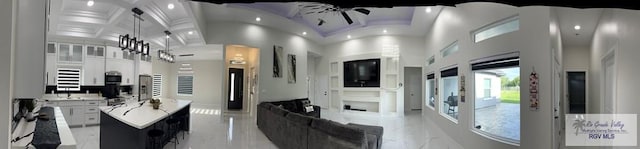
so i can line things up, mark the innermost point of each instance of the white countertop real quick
(75, 97)
(24, 128)
(145, 115)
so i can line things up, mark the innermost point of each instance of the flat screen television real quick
(362, 73)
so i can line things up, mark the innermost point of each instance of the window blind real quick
(157, 85)
(185, 85)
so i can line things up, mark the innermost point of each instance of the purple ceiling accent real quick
(282, 9)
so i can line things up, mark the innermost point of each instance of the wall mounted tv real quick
(362, 73)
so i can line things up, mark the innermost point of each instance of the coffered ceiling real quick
(105, 20)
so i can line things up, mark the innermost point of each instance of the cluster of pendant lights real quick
(166, 55)
(133, 43)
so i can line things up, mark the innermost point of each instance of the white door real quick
(322, 91)
(66, 112)
(415, 90)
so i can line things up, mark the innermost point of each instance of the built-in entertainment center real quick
(365, 83)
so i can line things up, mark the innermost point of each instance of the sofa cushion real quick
(341, 131)
(279, 111)
(299, 119)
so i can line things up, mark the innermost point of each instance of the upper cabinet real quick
(114, 53)
(71, 53)
(95, 51)
(94, 66)
(51, 64)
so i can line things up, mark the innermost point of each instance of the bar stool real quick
(174, 124)
(155, 138)
(184, 118)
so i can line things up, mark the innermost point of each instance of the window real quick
(185, 85)
(430, 91)
(496, 29)
(68, 79)
(449, 49)
(497, 97)
(431, 60)
(157, 85)
(487, 88)
(449, 95)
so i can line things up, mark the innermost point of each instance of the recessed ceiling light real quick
(428, 10)
(304, 33)
(190, 32)
(258, 19)
(384, 31)
(577, 27)
(348, 36)
(171, 6)
(90, 3)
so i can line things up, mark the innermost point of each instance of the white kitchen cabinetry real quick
(125, 67)
(121, 61)
(73, 112)
(51, 64)
(145, 66)
(94, 66)
(114, 52)
(79, 112)
(70, 53)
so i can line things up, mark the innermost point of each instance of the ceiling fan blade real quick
(320, 22)
(362, 10)
(346, 17)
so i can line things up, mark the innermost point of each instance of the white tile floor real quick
(211, 129)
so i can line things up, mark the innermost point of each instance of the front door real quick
(235, 89)
(576, 92)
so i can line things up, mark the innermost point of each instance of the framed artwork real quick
(277, 61)
(291, 59)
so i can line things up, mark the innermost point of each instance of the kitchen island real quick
(126, 126)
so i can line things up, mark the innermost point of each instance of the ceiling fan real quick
(319, 8)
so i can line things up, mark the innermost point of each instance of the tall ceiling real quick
(291, 17)
(105, 20)
(587, 19)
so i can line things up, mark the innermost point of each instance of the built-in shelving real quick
(375, 100)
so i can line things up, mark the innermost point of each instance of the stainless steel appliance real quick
(112, 81)
(144, 88)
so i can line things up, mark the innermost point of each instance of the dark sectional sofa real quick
(306, 130)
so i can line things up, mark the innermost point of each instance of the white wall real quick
(7, 14)
(30, 45)
(534, 43)
(206, 81)
(577, 58)
(164, 69)
(617, 28)
(265, 38)
(411, 50)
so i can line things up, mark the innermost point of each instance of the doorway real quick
(241, 70)
(576, 92)
(413, 88)
(235, 89)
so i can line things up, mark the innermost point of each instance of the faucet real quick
(68, 93)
